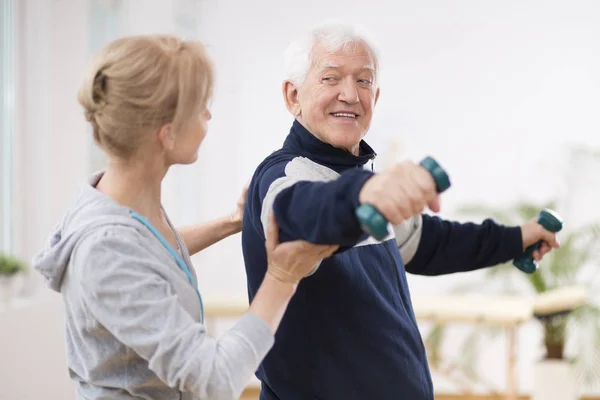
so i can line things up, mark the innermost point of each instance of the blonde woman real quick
(134, 315)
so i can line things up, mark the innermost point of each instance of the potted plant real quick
(570, 342)
(10, 269)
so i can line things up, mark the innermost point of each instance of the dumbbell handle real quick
(552, 222)
(375, 224)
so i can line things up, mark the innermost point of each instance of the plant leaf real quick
(433, 343)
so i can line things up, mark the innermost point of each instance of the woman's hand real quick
(289, 262)
(238, 214)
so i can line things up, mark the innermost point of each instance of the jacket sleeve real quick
(430, 245)
(315, 209)
(124, 291)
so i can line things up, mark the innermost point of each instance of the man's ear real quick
(290, 95)
(166, 137)
(376, 96)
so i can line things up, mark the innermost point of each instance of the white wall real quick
(494, 90)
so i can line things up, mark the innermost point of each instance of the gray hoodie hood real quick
(91, 209)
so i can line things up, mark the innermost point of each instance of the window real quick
(7, 121)
(105, 19)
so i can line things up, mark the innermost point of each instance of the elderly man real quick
(350, 331)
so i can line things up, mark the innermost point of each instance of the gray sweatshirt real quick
(133, 319)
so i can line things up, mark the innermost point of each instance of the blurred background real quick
(505, 94)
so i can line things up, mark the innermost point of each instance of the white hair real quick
(334, 35)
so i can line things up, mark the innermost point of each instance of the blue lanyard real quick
(170, 249)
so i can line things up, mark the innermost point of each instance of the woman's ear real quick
(166, 137)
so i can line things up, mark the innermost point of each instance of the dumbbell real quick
(375, 224)
(552, 222)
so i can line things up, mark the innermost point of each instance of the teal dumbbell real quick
(552, 222)
(375, 224)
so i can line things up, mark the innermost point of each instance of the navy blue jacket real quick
(350, 331)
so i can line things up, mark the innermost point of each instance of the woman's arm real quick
(124, 289)
(200, 236)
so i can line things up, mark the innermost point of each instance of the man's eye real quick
(365, 81)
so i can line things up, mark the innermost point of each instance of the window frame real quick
(8, 82)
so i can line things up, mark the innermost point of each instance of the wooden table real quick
(504, 312)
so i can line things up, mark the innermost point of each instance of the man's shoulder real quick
(275, 161)
(273, 167)
(294, 166)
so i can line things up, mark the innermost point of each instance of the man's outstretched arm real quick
(430, 245)
(316, 210)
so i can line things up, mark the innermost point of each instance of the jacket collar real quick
(301, 141)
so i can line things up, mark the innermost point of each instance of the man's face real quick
(335, 102)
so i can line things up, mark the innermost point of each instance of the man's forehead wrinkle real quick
(322, 59)
(332, 65)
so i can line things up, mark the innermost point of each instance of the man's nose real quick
(348, 92)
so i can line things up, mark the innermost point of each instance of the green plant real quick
(574, 263)
(10, 265)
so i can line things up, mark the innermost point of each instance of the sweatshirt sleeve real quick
(430, 245)
(317, 210)
(124, 290)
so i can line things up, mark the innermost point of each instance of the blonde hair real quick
(140, 83)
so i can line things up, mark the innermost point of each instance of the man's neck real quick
(354, 150)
